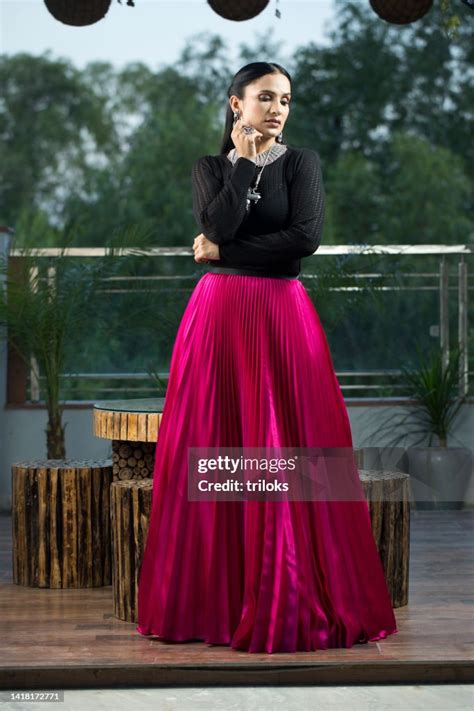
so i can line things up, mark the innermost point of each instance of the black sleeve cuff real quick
(243, 172)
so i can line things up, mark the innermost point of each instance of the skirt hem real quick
(383, 634)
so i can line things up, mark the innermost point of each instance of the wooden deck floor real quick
(71, 639)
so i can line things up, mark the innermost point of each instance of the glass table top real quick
(145, 405)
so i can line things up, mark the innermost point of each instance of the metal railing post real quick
(444, 310)
(463, 328)
(34, 367)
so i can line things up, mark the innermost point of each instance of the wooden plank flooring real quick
(71, 639)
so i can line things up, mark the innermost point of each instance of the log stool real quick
(61, 523)
(388, 497)
(130, 508)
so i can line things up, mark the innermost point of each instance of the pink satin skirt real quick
(251, 367)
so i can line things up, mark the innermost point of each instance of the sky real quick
(155, 31)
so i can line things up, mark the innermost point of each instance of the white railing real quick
(463, 250)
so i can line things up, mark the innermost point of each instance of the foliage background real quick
(101, 151)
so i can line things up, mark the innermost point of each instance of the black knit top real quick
(285, 225)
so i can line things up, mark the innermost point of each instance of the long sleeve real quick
(303, 235)
(219, 209)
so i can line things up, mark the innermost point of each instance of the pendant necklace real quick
(252, 195)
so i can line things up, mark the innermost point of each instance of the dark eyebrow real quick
(267, 91)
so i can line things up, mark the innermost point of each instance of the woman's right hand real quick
(245, 143)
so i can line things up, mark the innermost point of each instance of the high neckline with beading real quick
(277, 150)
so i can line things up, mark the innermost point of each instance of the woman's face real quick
(269, 96)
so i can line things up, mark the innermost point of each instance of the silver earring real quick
(279, 138)
(236, 116)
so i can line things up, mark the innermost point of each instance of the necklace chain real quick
(261, 159)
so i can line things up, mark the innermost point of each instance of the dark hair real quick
(251, 72)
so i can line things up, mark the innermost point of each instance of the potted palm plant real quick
(440, 473)
(46, 307)
(42, 307)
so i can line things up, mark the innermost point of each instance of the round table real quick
(133, 426)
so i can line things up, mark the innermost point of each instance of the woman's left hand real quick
(204, 249)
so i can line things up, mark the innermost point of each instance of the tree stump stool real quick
(388, 498)
(61, 523)
(130, 507)
(133, 427)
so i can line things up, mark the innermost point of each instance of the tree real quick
(51, 121)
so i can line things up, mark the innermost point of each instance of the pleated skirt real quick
(251, 367)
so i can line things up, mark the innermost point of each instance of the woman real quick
(251, 367)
